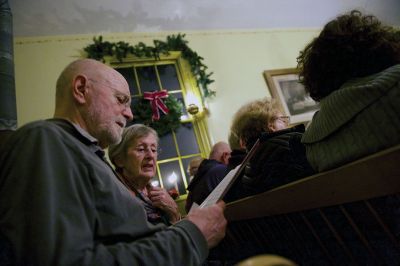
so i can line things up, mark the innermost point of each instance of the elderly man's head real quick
(221, 152)
(96, 97)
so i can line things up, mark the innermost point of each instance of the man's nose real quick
(127, 113)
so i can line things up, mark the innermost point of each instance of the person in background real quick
(249, 122)
(193, 167)
(211, 171)
(60, 201)
(135, 161)
(353, 70)
(280, 157)
(238, 150)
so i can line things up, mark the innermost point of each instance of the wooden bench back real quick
(346, 216)
(370, 177)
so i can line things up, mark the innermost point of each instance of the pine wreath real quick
(168, 122)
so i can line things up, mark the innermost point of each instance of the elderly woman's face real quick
(141, 158)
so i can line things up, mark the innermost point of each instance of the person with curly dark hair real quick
(353, 69)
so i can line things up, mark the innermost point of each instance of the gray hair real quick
(130, 133)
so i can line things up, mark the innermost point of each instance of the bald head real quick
(220, 152)
(94, 96)
(83, 67)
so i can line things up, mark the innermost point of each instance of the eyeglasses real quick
(142, 150)
(122, 98)
(284, 118)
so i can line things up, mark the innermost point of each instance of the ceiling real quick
(65, 17)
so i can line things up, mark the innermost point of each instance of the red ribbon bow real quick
(156, 102)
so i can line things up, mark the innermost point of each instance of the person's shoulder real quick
(218, 166)
(392, 72)
(33, 137)
(34, 124)
(201, 171)
(217, 170)
(35, 131)
(38, 125)
(205, 166)
(283, 136)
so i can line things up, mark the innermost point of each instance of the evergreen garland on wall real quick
(99, 49)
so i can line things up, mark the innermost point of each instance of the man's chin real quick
(111, 140)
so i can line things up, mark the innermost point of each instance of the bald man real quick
(209, 174)
(60, 202)
(220, 152)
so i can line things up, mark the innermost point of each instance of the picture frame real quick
(285, 87)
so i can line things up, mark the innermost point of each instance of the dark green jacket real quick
(359, 119)
(60, 204)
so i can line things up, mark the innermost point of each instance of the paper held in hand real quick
(219, 192)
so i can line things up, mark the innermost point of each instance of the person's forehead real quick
(148, 139)
(114, 79)
(121, 85)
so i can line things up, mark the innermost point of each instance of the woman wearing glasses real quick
(280, 157)
(135, 161)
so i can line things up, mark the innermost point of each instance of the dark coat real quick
(236, 158)
(280, 159)
(208, 176)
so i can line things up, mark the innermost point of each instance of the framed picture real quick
(284, 86)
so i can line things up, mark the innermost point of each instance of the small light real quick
(172, 178)
(155, 183)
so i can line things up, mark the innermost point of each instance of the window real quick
(171, 73)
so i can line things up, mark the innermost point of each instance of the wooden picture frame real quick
(285, 87)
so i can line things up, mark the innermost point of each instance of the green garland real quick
(142, 113)
(99, 49)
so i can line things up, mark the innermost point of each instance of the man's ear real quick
(79, 89)
(225, 157)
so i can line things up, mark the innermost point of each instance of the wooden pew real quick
(345, 216)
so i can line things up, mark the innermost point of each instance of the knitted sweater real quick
(359, 119)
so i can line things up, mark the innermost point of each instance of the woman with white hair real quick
(135, 161)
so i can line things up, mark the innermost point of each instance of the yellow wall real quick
(237, 58)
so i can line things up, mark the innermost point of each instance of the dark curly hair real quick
(353, 45)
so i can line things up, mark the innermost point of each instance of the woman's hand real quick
(162, 200)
